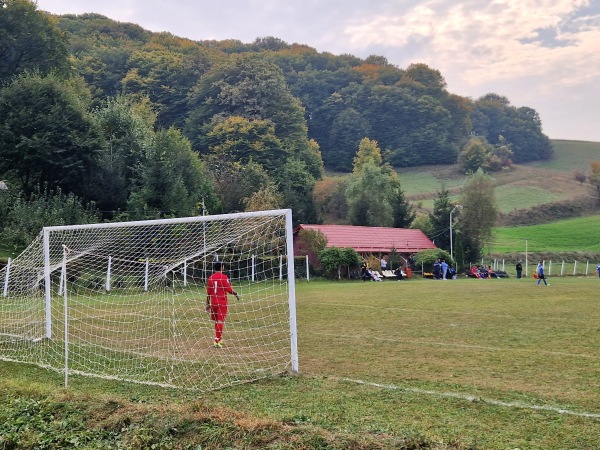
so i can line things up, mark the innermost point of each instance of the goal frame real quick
(291, 288)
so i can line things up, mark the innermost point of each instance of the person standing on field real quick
(540, 272)
(444, 267)
(598, 270)
(217, 288)
(519, 268)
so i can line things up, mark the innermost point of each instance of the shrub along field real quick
(476, 364)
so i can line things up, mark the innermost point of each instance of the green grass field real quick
(573, 235)
(419, 180)
(569, 155)
(481, 364)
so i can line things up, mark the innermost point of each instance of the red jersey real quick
(217, 288)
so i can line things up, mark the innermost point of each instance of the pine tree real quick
(440, 218)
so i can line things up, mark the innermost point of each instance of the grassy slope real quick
(525, 186)
(580, 234)
(569, 155)
(470, 364)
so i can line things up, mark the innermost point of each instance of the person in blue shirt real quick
(598, 270)
(540, 272)
(444, 267)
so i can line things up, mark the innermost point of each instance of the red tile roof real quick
(372, 239)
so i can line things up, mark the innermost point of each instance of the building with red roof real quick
(377, 241)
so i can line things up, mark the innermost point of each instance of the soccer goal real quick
(126, 300)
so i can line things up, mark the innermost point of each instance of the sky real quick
(544, 54)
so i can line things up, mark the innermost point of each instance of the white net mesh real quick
(126, 301)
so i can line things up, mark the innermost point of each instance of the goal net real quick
(126, 300)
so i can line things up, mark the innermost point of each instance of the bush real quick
(26, 216)
(333, 259)
(428, 257)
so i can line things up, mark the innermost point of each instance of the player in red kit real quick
(217, 288)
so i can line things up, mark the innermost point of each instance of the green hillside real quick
(569, 155)
(581, 234)
(525, 186)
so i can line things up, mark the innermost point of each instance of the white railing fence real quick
(561, 268)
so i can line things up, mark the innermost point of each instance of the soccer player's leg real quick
(220, 314)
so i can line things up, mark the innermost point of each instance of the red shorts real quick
(218, 312)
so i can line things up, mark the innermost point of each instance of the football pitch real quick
(500, 362)
(469, 363)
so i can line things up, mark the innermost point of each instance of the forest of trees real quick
(134, 124)
(342, 99)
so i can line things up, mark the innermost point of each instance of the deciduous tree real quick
(47, 136)
(24, 216)
(594, 179)
(374, 195)
(247, 86)
(29, 40)
(475, 155)
(368, 153)
(239, 139)
(333, 259)
(478, 215)
(579, 175)
(234, 182)
(330, 197)
(493, 116)
(368, 197)
(266, 198)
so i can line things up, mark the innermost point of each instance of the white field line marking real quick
(475, 347)
(471, 398)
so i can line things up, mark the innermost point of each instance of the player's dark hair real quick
(218, 265)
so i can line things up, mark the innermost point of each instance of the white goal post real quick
(126, 300)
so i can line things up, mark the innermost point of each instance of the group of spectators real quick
(368, 274)
(483, 272)
(443, 271)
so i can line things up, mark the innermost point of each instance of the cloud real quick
(502, 39)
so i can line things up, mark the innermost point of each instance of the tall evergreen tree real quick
(403, 212)
(172, 182)
(440, 218)
(127, 133)
(296, 184)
